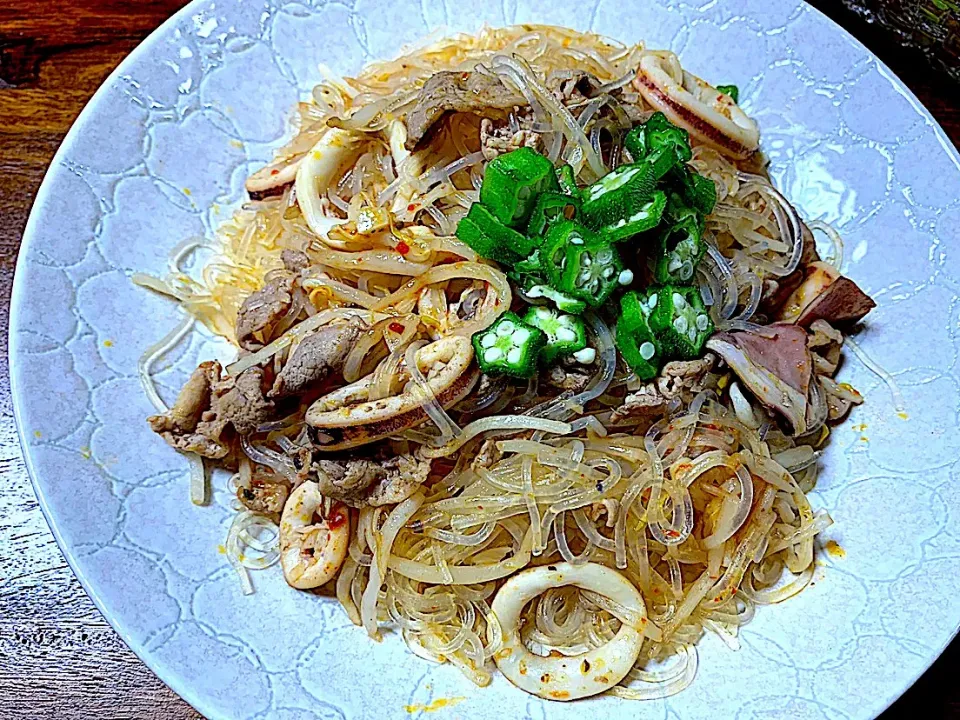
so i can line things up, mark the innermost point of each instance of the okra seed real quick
(647, 350)
(544, 313)
(686, 272)
(681, 324)
(652, 301)
(593, 286)
(565, 319)
(492, 354)
(609, 271)
(488, 340)
(566, 334)
(605, 256)
(513, 357)
(505, 328)
(576, 241)
(674, 264)
(586, 260)
(584, 276)
(692, 334)
(625, 277)
(702, 322)
(585, 356)
(678, 302)
(520, 336)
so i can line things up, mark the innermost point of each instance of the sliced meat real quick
(359, 482)
(823, 294)
(679, 377)
(571, 87)
(487, 456)
(566, 378)
(208, 406)
(295, 260)
(841, 303)
(262, 310)
(645, 403)
(263, 496)
(775, 366)
(239, 401)
(497, 138)
(317, 355)
(456, 92)
(182, 426)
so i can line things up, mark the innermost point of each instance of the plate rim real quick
(168, 675)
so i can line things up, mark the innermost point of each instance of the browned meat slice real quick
(645, 403)
(316, 357)
(240, 401)
(821, 293)
(497, 138)
(182, 425)
(775, 366)
(208, 405)
(679, 377)
(572, 87)
(456, 92)
(262, 310)
(565, 378)
(359, 482)
(295, 260)
(263, 496)
(841, 303)
(487, 456)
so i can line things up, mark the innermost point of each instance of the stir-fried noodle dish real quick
(534, 366)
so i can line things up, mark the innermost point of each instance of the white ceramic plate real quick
(161, 152)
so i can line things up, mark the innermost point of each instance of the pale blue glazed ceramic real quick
(161, 154)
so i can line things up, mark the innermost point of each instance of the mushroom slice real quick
(691, 103)
(312, 547)
(578, 676)
(349, 417)
(317, 171)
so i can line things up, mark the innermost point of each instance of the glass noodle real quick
(699, 505)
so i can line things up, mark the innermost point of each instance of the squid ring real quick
(317, 171)
(348, 417)
(566, 678)
(307, 560)
(697, 106)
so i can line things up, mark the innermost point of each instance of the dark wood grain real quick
(58, 657)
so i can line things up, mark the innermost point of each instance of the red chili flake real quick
(403, 248)
(274, 172)
(396, 327)
(464, 76)
(411, 207)
(338, 518)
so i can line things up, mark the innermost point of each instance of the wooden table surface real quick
(58, 657)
